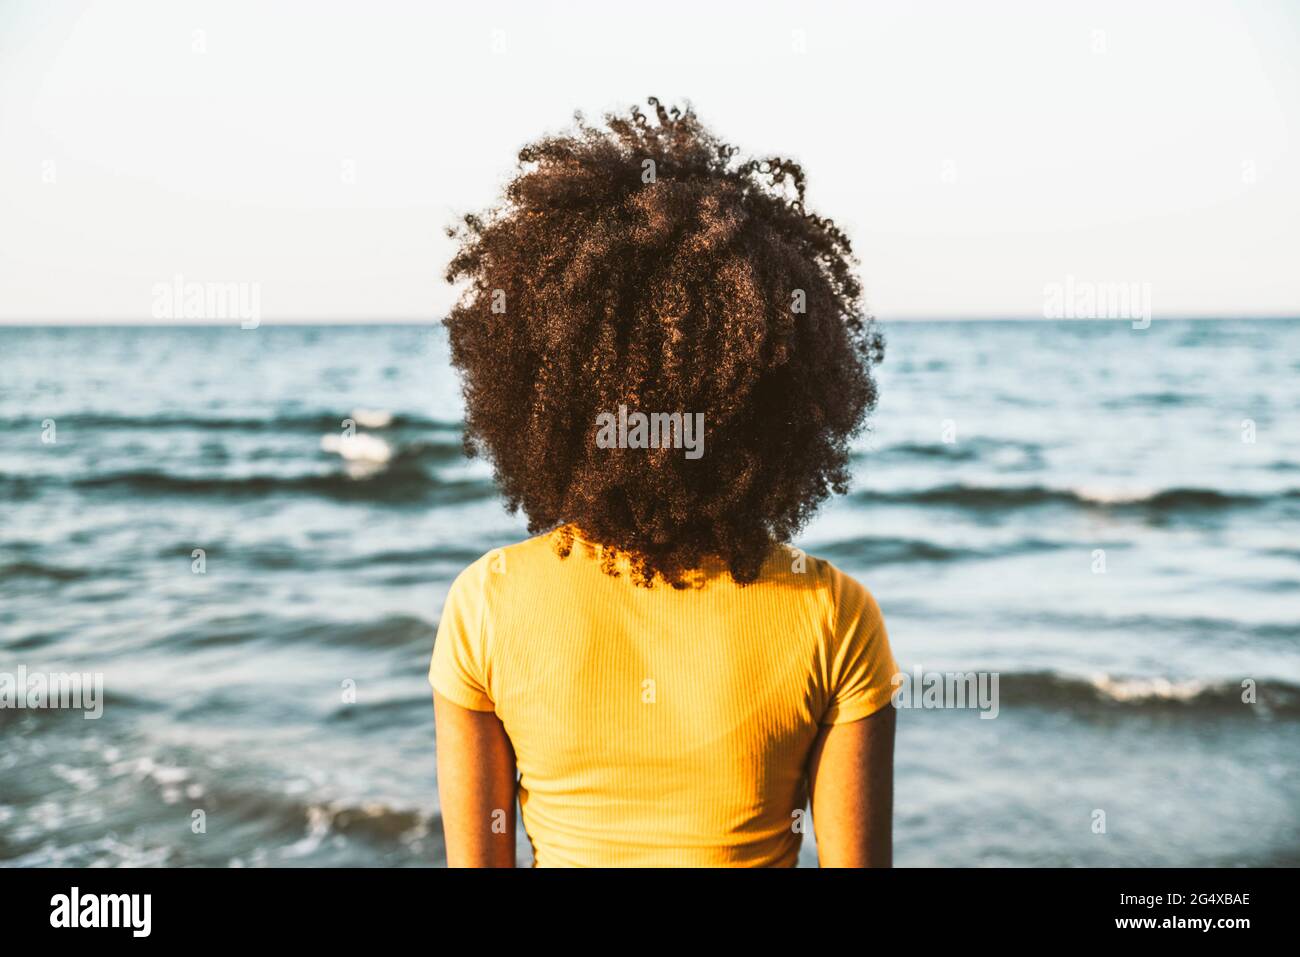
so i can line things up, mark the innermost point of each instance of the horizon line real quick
(437, 321)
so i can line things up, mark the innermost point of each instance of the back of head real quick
(640, 267)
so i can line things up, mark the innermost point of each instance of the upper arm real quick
(476, 762)
(476, 786)
(851, 765)
(851, 779)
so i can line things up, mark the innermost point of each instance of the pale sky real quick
(974, 152)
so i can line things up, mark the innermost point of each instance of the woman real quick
(663, 357)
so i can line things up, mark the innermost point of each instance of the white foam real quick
(372, 418)
(1113, 496)
(358, 447)
(1143, 689)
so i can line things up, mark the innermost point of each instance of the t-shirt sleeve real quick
(459, 670)
(862, 665)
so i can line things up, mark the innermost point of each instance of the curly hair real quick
(640, 263)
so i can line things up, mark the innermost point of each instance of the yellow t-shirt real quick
(658, 726)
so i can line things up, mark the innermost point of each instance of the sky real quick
(975, 153)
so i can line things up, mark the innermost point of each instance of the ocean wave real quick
(282, 556)
(305, 422)
(271, 819)
(405, 478)
(1151, 400)
(1273, 698)
(380, 717)
(458, 555)
(999, 496)
(388, 631)
(279, 811)
(20, 488)
(36, 720)
(42, 572)
(276, 818)
(284, 817)
(969, 450)
(1214, 632)
(871, 550)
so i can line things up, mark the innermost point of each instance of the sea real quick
(247, 534)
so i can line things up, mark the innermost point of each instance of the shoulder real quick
(842, 597)
(849, 594)
(491, 571)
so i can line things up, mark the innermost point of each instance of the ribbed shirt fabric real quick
(660, 726)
